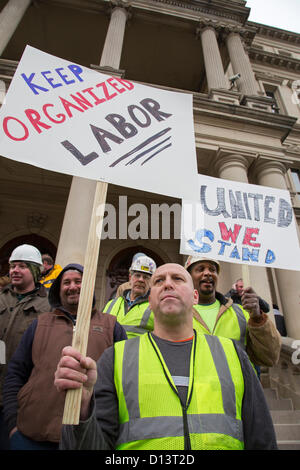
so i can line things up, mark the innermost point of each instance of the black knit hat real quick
(54, 291)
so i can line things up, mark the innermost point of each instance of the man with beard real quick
(132, 307)
(219, 316)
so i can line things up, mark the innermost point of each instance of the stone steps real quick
(285, 417)
(287, 432)
(286, 420)
(288, 445)
(280, 403)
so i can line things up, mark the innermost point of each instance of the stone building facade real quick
(244, 78)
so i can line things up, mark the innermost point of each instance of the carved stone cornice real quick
(276, 33)
(234, 10)
(269, 58)
(224, 29)
(292, 148)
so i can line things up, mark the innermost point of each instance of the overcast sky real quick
(284, 14)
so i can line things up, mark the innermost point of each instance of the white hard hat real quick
(137, 255)
(195, 259)
(143, 264)
(27, 253)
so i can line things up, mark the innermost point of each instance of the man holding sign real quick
(167, 390)
(218, 315)
(33, 409)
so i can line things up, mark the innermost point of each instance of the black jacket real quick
(263, 305)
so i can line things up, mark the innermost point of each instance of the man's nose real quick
(206, 272)
(168, 283)
(73, 286)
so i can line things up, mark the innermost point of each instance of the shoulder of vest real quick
(225, 342)
(46, 316)
(239, 308)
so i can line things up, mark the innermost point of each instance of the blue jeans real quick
(20, 442)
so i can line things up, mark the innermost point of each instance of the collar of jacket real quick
(39, 290)
(59, 310)
(142, 299)
(225, 305)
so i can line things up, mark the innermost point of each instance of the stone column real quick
(74, 233)
(10, 17)
(240, 62)
(271, 173)
(235, 167)
(212, 59)
(111, 54)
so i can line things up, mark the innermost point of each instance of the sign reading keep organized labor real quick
(64, 117)
(240, 223)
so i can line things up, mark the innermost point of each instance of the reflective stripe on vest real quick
(158, 427)
(139, 329)
(242, 324)
(112, 303)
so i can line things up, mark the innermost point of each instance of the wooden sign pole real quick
(246, 275)
(80, 337)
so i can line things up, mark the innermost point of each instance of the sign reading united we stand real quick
(64, 117)
(240, 223)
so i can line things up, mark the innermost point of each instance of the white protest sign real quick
(64, 117)
(240, 223)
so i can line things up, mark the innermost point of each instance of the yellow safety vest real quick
(231, 324)
(138, 320)
(151, 415)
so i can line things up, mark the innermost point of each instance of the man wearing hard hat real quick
(218, 315)
(132, 307)
(21, 302)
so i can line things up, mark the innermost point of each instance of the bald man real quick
(170, 389)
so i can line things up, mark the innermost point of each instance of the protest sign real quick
(240, 223)
(64, 117)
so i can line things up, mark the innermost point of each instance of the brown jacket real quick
(40, 404)
(15, 317)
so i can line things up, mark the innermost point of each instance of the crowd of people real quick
(171, 363)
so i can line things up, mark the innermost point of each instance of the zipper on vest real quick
(186, 432)
(72, 318)
(184, 407)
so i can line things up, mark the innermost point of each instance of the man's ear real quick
(196, 297)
